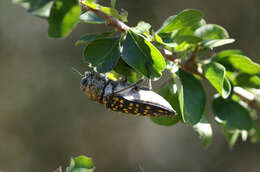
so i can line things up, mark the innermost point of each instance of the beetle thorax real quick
(93, 87)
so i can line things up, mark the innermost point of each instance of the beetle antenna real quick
(76, 71)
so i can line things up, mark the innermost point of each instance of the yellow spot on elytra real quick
(121, 101)
(121, 105)
(148, 107)
(131, 104)
(125, 109)
(116, 98)
(130, 108)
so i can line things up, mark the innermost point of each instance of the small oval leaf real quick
(103, 54)
(215, 73)
(186, 18)
(81, 164)
(63, 18)
(192, 97)
(231, 114)
(211, 32)
(143, 56)
(238, 62)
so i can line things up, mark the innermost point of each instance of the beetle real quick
(123, 97)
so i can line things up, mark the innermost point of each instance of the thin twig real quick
(193, 55)
(251, 103)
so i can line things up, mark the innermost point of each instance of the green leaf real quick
(103, 54)
(86, 39)
(216, 43)
(143, 56)
(40, 8)
(158, 39)
(142, 28)
(232, 137)
(91, 18)
(204, 131)
(169, 92)
(215, 73)
(81, 164)
(192, 97)
(211, 32)
(254, 133)
(63, 18)
(247, 80)
(225, 53)
(113, 3)
(186, 18)
(188, 39)
(109, 11)
(124, 69)
(231, 114)
(238, 62)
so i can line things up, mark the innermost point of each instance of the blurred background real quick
(45, 119)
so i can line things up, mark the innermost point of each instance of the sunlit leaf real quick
(142, 28)
(63, 18)
(238, 62)
(215, 73)
(216, 43)
(109, 11)
(143, 56)
(211, 32)
(81, 164)
(186, 18)
(91, 18)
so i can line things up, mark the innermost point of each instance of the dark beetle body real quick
(118, 96)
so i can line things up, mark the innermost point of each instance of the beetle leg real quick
(149, 78)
